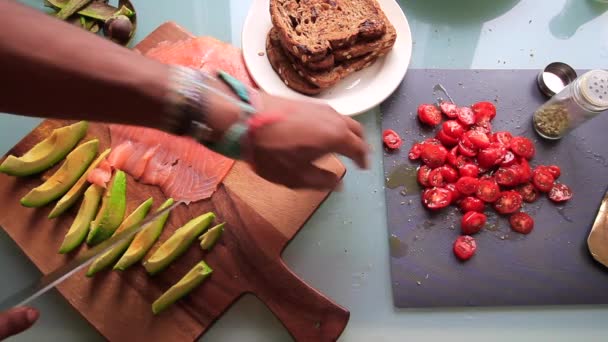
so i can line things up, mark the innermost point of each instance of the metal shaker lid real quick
(594, 88)
(555, 77)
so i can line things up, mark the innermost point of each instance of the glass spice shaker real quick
(581, 100)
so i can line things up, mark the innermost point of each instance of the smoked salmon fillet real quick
(184, 169)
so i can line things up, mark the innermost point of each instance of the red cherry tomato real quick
(452, 156)
(488, 191)
(484, 126)
(453, 128)
(507, 176)
(484, 111)
(467, 185)
(508, 202)
(522, 147)
(415, 151)
(462, 160)
(445, 139)
(449, 109)
(469, 170)
(491, 156)
(503, 138)
(466, 147)
(542, 179)
(472, 222)
(464, 247)
(455, 193)
(471, 203)
(423, 175)
(521, 223)
(525, 171)
(436, 178)
(509, 159)
(528, 192)
(449, 173)
(429, 114)
(555, 170)
(478, 138)
(436, 198)
(560, 193)
(391, 139)
(466, 116)
(433, 155)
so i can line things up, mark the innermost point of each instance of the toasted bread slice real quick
(282, 66)
(310, 29)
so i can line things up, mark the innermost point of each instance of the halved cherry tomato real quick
(503, 138)
(436, 178)
(436, 198)
(429, 114)
(452, 155)
(472, 222)
(466, 147)
(423, 175)
(449, 173)
(478, 138)
(528, 192)
(488, 191)
(542, 179)
(471, 203)
(433, 155)
(464, 247)
(484, 126)
(449, 109)
(415, 151)
(467, 185)
(522, 147)
(508, 202)
(469, 170)
(455, 193)
(445, 139)
(521, 223)
(555, 170)
(391, 139)
(507, 176)
(431, 141)
(491, 155)
(461, 160)
(453, 128)
(525, 171)
(560, 193)
(466, 116)
(509, 159)
(484, 111)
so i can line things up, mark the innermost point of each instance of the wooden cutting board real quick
(261, 219)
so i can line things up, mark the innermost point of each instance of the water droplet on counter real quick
(397, 247)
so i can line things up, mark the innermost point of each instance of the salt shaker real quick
(581, 100)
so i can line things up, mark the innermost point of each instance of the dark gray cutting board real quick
(551, 265)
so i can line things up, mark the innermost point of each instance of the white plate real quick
(355, 94)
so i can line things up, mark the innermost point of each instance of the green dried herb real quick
(552, 121)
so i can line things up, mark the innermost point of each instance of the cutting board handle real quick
(305, 312)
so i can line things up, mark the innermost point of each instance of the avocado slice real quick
(191, 280)
(112, 211)
(98, 10)
(46, 153)
(211, 236)
(64, 178)
(178, 243)
(110, 256)
(80, 227)
(76, 191)
(144, 240)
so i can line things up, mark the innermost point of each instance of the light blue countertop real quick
(343, 250)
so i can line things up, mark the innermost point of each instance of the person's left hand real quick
(16, 320)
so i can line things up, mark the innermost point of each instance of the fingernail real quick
(32, 315)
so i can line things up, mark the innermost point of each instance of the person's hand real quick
(284, 152)
(16, 320)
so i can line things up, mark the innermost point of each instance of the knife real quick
(597, 242)
(56, 277)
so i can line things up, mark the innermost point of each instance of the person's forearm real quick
(49, 68)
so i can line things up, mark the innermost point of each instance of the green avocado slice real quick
(110, 256)
(64, 178)
(80, 227)
(178, 243)
(77, 190)
(144, 240)
(191, 280)
(112, 211)
(46, 153)
(211, 236)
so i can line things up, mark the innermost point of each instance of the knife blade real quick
(56, 277)
(597, 241)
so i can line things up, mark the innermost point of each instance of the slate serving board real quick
(551, 265)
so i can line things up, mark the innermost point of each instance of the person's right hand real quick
(16, 320)
(283, 152)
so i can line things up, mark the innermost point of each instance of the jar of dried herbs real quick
(581, 100)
